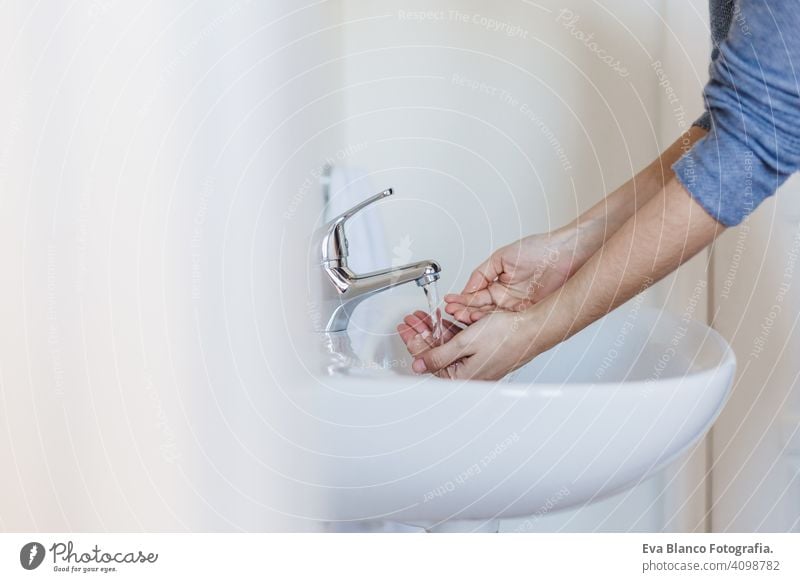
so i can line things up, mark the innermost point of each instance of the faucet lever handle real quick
(334, 243)
(362, 205)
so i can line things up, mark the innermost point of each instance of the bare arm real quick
(601, 221)
(667, 231)
(664, 233)
(525, 272)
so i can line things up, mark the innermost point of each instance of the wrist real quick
(540, 327)
(583, 238)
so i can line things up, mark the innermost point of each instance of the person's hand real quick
(487, 350)
(416, 332)
(516, 276)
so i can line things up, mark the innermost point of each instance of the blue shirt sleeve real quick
(720, 16)
(753, 102)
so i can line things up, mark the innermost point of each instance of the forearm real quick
(595, 226)
(664, 233)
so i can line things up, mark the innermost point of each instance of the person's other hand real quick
(516, 276)
(416, 332)
(487, 350)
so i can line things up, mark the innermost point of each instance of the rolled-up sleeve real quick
(753, 102)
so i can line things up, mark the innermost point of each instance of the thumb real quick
(484, 274)
(439, 358)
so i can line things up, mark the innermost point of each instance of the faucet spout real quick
(349, 289)
(422, 273)
(342, 289)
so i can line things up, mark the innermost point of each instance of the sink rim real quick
(654, 317)
(725, 357)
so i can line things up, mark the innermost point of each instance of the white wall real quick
(151, 161)
(756, 305)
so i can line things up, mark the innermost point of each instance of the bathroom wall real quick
(495, 120)
(756, 302)
(152, 167)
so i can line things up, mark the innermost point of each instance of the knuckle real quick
(436, 361)
(459, 341)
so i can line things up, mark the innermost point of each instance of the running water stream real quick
(434, 309)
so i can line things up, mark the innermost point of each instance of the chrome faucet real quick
(342, 289)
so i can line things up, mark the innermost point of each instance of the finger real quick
(478, 367)
(424, 317)
(475, 314)
(478, 315)
(406, 332)
(468, 315)
(460, 313)
(465, 369)
(403, 330)
(453, 308)
(430, 333)
(449, 328)
(504, 298)
(462, 298)
(439, 358)
(456, 307)
(476, 299)
(418, 345)
(415, 343)
(450, 372)
(418, 325)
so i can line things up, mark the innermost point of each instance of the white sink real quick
(593, 416)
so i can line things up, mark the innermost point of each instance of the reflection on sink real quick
(593, 416)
